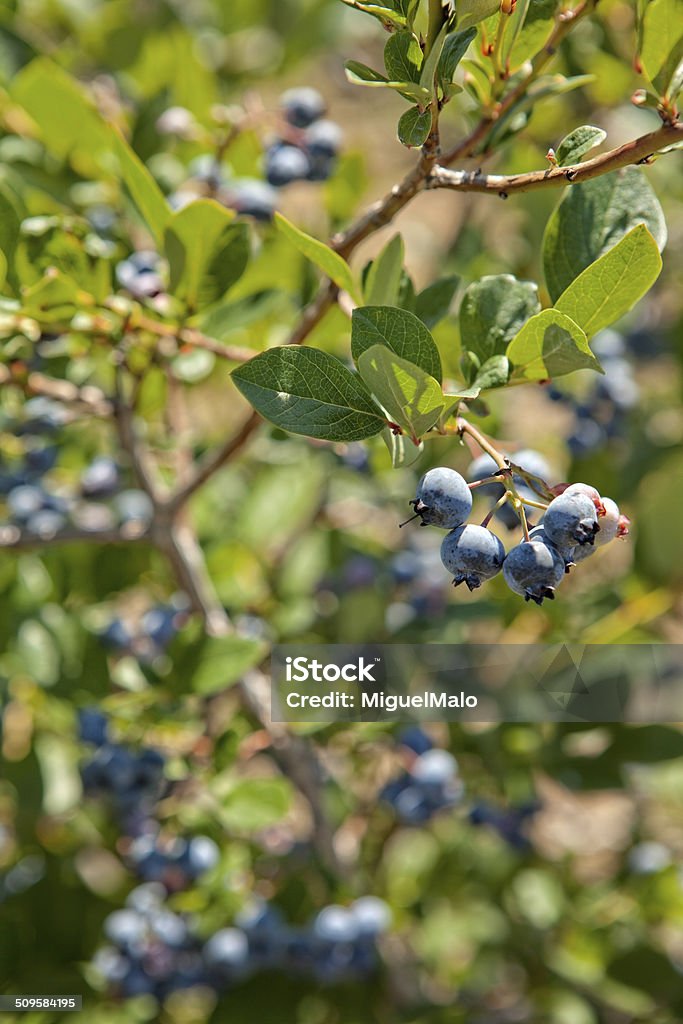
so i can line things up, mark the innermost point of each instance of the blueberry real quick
(372, 916)
(473, 554)
(534, 569)
(443, 499)
(416, 739)
(116, 635)
(93, 726)
(146, 897)
(571, 519)
(336, 924)
(323, 139)
(202, 855)
(170, 928)
(608, 344)
(226, 953)
(111, 965)
(412, 806)
(41, 460)
(126, 929)
(133, 506)
(207, 169)
(253, 198)
(100, 479)
(648, 858)
(160, 625)
(25, 501)
(434, 768)
(568, 554)
(285, 164)
(302, 106)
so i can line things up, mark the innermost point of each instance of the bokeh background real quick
(545, 884)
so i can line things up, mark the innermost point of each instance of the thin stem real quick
(534, 504)
(637, 151)
(522, 517)
(463, 426)
(499, 504)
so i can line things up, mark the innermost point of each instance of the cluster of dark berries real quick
(154, 951)
(603, 413)
(430, 784)
(574, 523)
(151, 634)
(36, 506)
(309, 147)
(131, 781)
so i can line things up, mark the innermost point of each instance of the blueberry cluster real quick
(151, 634)
(308, 147)
(602, 414)
(430, 784)
(37, 506)
(131, 781)
(574, 523)
(154, 951)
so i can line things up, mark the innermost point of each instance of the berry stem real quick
(489, 516)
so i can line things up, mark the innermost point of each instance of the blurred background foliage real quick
(570, 926)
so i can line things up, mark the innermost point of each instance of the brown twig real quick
(634, 152)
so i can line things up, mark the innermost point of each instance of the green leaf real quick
(414, 126)
(577, 143)
(325, 259)
(309, 392)
(493, 310)
(533, 21)
(143, 189)
(550, 345)
(410, 397)
(454, 49)
(400, 331)
(591, 218)
(403, 57)
(224, 660)
(612, 285)
(385, 274)
(383, 14)
(10, 221)
(470, 12)
(69, 124)
(495, 373)
(429, 68)
(251, 805)
(404, 452)
(361, 74)
(207, 252)
(662, 42)
(434, 302)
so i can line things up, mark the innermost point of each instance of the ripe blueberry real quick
(443, 499)
(302, 106)
(571, 519)
(534, 569)
(473, 554)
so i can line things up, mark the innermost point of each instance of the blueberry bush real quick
(274, 276)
